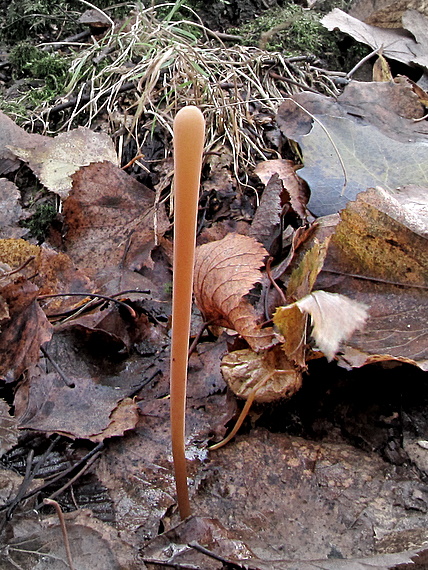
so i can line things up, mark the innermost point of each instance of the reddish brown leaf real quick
(25, 331)
(111, 219)
(225, 271)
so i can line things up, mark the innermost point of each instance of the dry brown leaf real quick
(24, 332)
(244, 369)
(293, 184)
(225, 271)
(111, 220)
(266, 224)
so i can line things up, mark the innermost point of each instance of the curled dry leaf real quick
(293, 184)
(225, 271)
(270, 372)
(334, 318)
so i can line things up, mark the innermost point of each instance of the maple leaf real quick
(225, 271)
(334, 318)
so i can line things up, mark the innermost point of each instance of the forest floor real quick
(332, 472)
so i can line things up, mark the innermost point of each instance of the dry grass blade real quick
(171, 63)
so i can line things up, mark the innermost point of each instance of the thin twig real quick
(29, 260)
(57, 368)
(72, 480)
(92, 296)
(229, 563)
(57, 477)
(60, 515)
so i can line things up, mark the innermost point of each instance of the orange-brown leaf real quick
(225, 271)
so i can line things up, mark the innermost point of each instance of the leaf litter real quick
(335, 497)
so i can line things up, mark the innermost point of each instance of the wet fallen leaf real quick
(225, 271)
(395, 44)
(55, 160)
(85, 410)
(270, 371)
(26, 329)
(350, 148)
(335, 498)
(35, 543)
(111, 220)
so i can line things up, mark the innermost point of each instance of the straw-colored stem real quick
(189, 133)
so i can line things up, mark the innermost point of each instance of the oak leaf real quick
(225, 271)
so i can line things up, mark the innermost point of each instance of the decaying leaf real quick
(11, 132)
(111, 220)
(266, 224)
(50, 271)
(385, 13)
(358, 142)
(55, 160)
(85, 410)
(24, 332)
(35, 543)
(270, 372)
(225, 271)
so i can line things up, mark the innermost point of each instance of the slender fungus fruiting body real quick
(189, 134)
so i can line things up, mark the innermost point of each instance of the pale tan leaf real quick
(225, 271)
(334, 319)
(276, 376)
(54, 160)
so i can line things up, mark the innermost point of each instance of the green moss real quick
(29, 61)
(40, 221)
(294, 31)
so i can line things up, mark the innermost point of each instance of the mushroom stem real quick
(189, 133)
